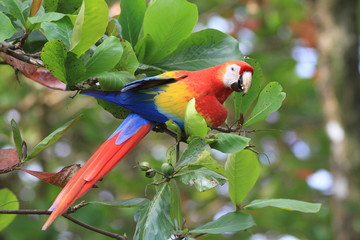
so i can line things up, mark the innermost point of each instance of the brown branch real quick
(10, 49)
(94, 229)
(67, 216)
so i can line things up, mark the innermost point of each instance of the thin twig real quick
(67, 216)
(94, 229)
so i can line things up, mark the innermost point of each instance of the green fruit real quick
(167, 169)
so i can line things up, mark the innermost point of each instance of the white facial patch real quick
(231, 75)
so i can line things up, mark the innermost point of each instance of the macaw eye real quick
(232, 68)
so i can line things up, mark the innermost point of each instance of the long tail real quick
(110, 153)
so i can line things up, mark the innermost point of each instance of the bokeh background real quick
(309, 152)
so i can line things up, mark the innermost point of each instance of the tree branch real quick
(94, 229)
(9, 49)
(67, 216)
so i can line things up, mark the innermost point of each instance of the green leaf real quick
(242, 170)
(195, 124)
(229, 143)
(17, 138)
(230, 222)
(202, 178)
(66, 6)
(50, 5)
(193, 152)
(175, 128)
(46, 17)
(128, 203)
(270, 100)
(175, 206)
(155, 222)
(114, 109)
(243, 102)
(201, 50)
(207, 161)
(105, 57)
(75, 69)
(51, 138)
(53, 55)
(128, 61)
(168, 22)
(58, 30)
(7, 29)
(114, 81)
(131, 19)
(286, 204)
(15, 9)
(90, 25)
(8, 201)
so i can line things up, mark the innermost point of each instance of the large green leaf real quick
(195, 149)
(105, 57)
(46, 17)
(51, 138)
(90, 25)
(202, 178)
(128, 203)
(61, 29)
(286, 204)
(201, 50)
(242, 102)
(75, 69)
(8, 201)
(207, 161)
(15, 9)
(175, 206)
(242, 170)
(270, 100)
(128, 61)
(167, 22)
(155, 222)
(114, 81)
(7, 29)
(230, 222)
(229, 143)
(17, 138)
(50, 5)
(66, 6)
(53, 55)
(131, 19)
(195, 124)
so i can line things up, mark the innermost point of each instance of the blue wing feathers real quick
(140, 102)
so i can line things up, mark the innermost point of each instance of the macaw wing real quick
(154, 81)
(141, 102)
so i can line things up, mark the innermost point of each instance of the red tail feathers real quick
(101, 162)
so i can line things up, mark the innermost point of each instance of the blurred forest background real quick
(311, 151)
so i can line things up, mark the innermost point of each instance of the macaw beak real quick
(243, 84)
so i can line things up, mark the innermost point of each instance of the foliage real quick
(77, 48)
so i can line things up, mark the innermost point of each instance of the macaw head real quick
(237, 75)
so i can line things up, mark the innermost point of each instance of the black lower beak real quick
(237, 86)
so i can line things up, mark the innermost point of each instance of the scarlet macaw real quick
(155, 100)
